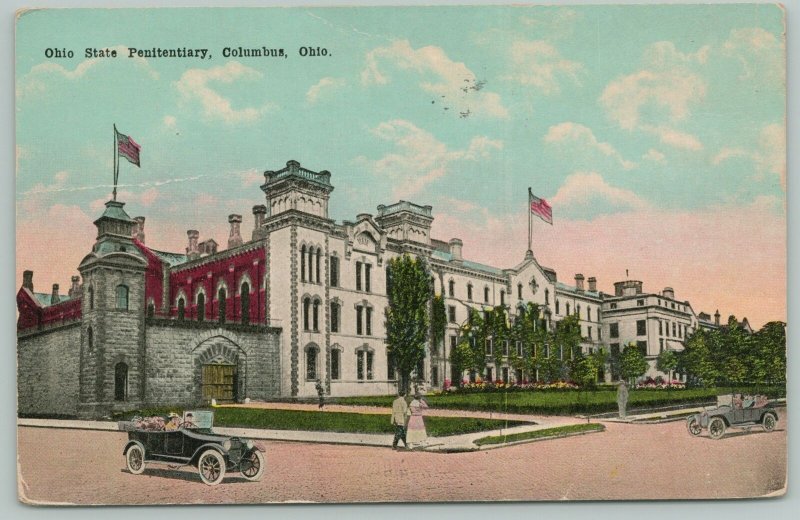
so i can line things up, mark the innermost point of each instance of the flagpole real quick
(529, 220)
(116, 162)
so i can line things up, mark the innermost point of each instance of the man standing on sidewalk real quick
(321, 394)
(622, 399)
(400, 414)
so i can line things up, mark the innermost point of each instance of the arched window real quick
(519, 291)
(547, 296)
(502, 297)
(122, 297)
(568, 309)
(306, 310)
(558, 307)
(451, 288)
(364, 362)
(578, 310)
(201, 307)
(469, 291)
(312, 352)
(335, 312)
(311, 264)
(244, 301)
(90, 339)
(120, 382)
(91, 298)
(588, 314)
(485, 295)
(222, 301)
(181, 309)
(336, 364)
(319, 255)
(315, 321)
(303, 263)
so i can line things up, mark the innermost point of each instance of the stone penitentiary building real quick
(301, 299)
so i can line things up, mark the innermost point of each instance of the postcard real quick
(401, 254)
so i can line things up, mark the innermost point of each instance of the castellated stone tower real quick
(113, 310)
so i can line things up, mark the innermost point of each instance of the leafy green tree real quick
(567, 343)
(529, 330)
(632, 362)
(407, 316)
(696, 360)
(584, 370)
(469, 353)
(769, 353)
(438, 322)
(667, 362)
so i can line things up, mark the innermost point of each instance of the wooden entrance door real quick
(219, 382)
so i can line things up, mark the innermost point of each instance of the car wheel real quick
(768, 422)
(135, 459)
(211, 467)
(716, 428)
(694, 427)
(252, 466)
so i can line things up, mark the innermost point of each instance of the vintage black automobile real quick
(187, 444)
(734, 411)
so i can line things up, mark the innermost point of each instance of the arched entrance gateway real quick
(220, 366)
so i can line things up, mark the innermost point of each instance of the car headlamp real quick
(249, 444)
(226, 445)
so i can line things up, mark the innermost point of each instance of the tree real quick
(407, 316)
(667, 362)
(769, 353)
(469, 353)
(438, 322)
(567, 343)
(632, 362)
(695, 360)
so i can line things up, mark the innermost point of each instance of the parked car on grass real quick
(191, 442)
(734, 411)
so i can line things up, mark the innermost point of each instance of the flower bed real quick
(660, 383)
(501, 386)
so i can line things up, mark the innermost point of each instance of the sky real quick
(657, 133)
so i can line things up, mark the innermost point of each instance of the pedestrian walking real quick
(622, 399)
(321, 394)
(400, 414)
(416, 433)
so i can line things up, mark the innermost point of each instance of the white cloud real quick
(769, 156)
(194, 86)
(761, 54)
(581, 188)
(729, 153)
(654, 156)
(419, 158)
(325, 84)
(664, 54)
(251, 177)
(539, 64)
(170, 122)
(441, 76)
(583, 137)
(674, 138)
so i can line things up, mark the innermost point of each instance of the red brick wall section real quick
(31, 315)
(153, 278)
(208, 275)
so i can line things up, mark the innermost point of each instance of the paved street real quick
(627, 461)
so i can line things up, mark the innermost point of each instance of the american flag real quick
(128, 148)
(540, 208)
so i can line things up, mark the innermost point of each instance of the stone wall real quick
(47, 371)
(176, 351)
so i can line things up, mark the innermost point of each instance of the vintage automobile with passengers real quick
(734, 411)
(190, 441)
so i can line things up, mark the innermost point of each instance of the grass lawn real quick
(566, 402)
(537, 434)
(331, 421)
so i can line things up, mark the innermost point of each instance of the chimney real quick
(668, 292)
(260, 214)
(235, 238)
(716, 318)
(138, 229)
(592, 284)
(192, 251)
(579, 282)
(75, 288)
(27, 280)
(207, 247)
(54, 295)
(455, 249)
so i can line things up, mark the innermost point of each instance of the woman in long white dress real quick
(416, 434)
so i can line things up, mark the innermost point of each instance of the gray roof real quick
(447, 257)
(294, 170)
(571, 289)
(114, 210)
(404, 205)
(44, 298)
(172, 259)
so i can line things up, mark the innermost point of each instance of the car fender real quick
(768, 412)
(132, 443)
(207, 446)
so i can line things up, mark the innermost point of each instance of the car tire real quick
(768, 422)
(716, 428)
(694, 426)
(134, 459)
(211, 466)
(254, 466)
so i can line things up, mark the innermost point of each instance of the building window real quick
(642, 346)
(469, 292)
(660, 328)
(363, 327)
(90, 339)
(451, 313)
(489, 347)
(201, 307)
(578, 310)
(451, 289)
(613, 330)
(303, 263)
(518, 376)
(558, 307)
(244, 302)
(306, 313)
(334, 271)
(358, 276)
(222, 298)
(391, 368)
(453, 342)
(547, 296)
(319, 257)
(121, 382)
(661, 345)
(568, 309)
(588, 314)
(519, 348)
(335, 307)
(673, 329)
(641, 327)
(519, 291)
(369, 323)
(364, 363)
(613, 305)
(505, 347)
(91, 298)
(336, 361)
(311, 265)
(181, 309)
(489, 375)
(122, 297)
(311, 362)
(315, 316)
(640, 303)
(367, 270)
(505, 374)
(485, 295)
